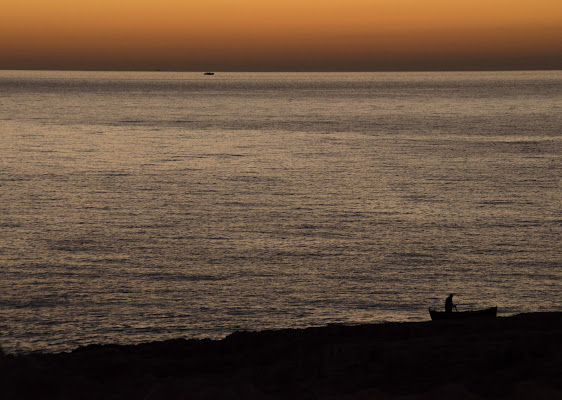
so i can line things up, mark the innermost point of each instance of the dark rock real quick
(516, 357)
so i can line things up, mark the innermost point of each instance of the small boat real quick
(442, 315)
(209, 73)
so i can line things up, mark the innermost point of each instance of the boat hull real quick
(485, 313)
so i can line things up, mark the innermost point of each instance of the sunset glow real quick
(280, 35)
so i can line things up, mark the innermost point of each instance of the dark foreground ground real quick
(518, 357)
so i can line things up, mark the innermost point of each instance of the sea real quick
(144, 206)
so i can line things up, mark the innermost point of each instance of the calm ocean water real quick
(145, 206)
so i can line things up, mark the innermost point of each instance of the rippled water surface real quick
(145, 206)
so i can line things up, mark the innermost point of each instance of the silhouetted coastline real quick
(509, 357)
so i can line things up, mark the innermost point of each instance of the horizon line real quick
(286, 71)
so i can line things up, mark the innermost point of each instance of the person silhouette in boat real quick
(449, 303)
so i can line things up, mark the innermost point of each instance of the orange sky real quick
(280, 34)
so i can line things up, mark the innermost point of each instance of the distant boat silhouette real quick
(209, 73)
(485, 313)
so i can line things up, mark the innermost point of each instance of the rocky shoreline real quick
(518, 357)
